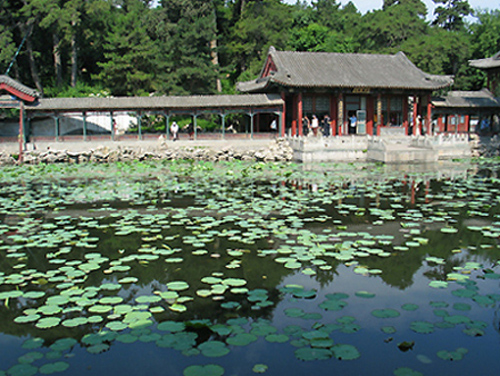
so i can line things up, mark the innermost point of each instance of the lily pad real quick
(345, 352)
(385, 313)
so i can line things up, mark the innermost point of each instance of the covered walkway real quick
(31, 106)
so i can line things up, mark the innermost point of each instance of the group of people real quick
(315, 126)
(174, 131)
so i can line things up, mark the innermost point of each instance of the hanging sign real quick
(361, 90)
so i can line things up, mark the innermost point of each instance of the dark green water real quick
(281, 269)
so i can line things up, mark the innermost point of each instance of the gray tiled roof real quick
(488, 63)
(337, 70)
(467, 99)
(18, 86)
(163, 103)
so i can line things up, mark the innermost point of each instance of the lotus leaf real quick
(22, 370)
(99, 308)
(308, 354)
(345, 352)
(171, 326)
(128, 280)
(457, 319)
(206, 370)
(213, 349)
(260, 368)
(27, 318)
(277, 338)
(177, 285)
(385, 313)
(458, 354)
(147, 299)
(461, 307)
(178, 308)
(48, 322)
(98, 348)
(294, 312)
(405, 371)
(234, 282)
(364, 294)
(422, 327)
(63, 344)
(409, 307)
(77, 321)
(438, 284)
(33, 343)
(333, 305)
(111, 300)
(30, 357)
(388, 329)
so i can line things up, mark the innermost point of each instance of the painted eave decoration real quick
(17, 89)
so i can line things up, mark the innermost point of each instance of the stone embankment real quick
(276, 150)
(486, 146)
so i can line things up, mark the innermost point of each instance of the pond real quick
(234, 268)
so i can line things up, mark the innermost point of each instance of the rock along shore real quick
(275, 150)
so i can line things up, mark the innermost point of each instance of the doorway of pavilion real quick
(355, 105)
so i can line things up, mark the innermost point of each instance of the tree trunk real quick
(74, 59)
(215, 61)
(31, 59)
(214, 54)
(56, 51)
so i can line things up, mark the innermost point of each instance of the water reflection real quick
(276, 253)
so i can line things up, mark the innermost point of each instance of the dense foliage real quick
(175, 47)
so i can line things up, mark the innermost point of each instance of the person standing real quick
(190, 130)
(274, 127)
(314, 125)
(174, 130)
(353, 122)
(306, 124)
(326, 125)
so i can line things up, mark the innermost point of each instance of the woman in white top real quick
(315, 125)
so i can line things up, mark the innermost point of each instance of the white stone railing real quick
(332, 142)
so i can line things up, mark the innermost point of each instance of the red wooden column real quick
(300, 113)
(333, 110)
(428, 118)
(405, 114)
(467, 123)
(415, 114)
(340, 113)
(294, 113)
(370, 113)
(379, 114)
(283, 118)
(21, 130)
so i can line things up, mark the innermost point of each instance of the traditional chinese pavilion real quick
(381, 90)
(491, 66)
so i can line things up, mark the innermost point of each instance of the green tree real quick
(485, 34)
(130, 53)
(398, 21)
(329, 28)
(185, 33)
(441, 52)
(262, 23)
(451, 13)
(7, 43)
